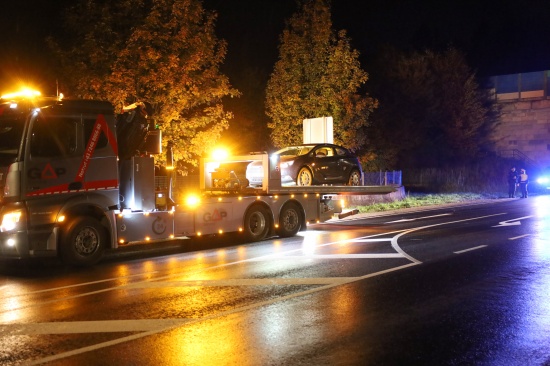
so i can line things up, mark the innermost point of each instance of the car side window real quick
(340, 151)
(324, 151)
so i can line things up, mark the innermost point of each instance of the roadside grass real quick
(417, 200)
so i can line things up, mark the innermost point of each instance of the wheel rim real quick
(290, 220)
(257, 223)
(354, 179)
(304, 178)
(87, 241)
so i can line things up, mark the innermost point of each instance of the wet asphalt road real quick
(453, 285)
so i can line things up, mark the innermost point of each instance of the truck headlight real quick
(10, 220)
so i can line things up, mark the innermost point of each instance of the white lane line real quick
(398, 249)
(469, 249)
(519, 237)
(80, 284)
(367, 240)
(330, 256)
(418, 218)
(245, 282)
(98, 326)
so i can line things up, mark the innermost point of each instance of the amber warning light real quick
(25, 93)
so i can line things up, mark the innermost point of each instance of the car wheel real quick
(83, 242)
(290, 220)
(305, 177)
(257, 223)
(354, 178)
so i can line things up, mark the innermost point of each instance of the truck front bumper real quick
(22, 244)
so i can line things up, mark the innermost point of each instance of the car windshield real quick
(295, 150)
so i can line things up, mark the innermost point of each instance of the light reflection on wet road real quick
(450, 286)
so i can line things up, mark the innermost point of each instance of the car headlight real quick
(10, 220)
(543, 180)
(287, 164)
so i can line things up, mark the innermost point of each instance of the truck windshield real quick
(11, 131)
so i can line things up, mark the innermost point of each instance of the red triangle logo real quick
(48, 172)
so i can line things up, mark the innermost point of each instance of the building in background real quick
(524, 131)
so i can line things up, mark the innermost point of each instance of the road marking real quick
(169, 324)
(418, 218)
(329, 256)
(79, 285)
(470, 249)
(512, 222)
(244, 282)
(360, 240)
(519, 237)
(398, 249)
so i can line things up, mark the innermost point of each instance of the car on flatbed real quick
(312, 164)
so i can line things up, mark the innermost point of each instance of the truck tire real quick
(354, 178)
(83, 242)
(305, 177)
(290, 220)
(256, 223)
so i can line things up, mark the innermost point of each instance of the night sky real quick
(497, 37)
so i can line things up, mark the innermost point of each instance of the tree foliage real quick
(432, 112)
(317, 74)
(163, 52)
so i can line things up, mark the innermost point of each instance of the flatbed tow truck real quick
(77, 179)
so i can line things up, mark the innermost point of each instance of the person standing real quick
(512, 182)
(523, 181)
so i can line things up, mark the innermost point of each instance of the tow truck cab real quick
(59, 159)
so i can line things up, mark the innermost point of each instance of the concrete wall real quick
(525, 121)
(525, 126)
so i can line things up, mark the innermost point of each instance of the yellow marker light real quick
(276, 196)
(291, 196)
(171, 236)
(276, 226)
(219, 199)
(61, 218)
(220, 154)
(10, 242)
(240, 198)
(121, 241)
(199, 233)
(220, 231)
(147, 238)
(305, 194)
(146, 213)
(241, 229)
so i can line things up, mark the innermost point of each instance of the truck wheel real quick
(354, 178)
(83, 242)
(256, 223)
(290, 221)
(305, 178)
